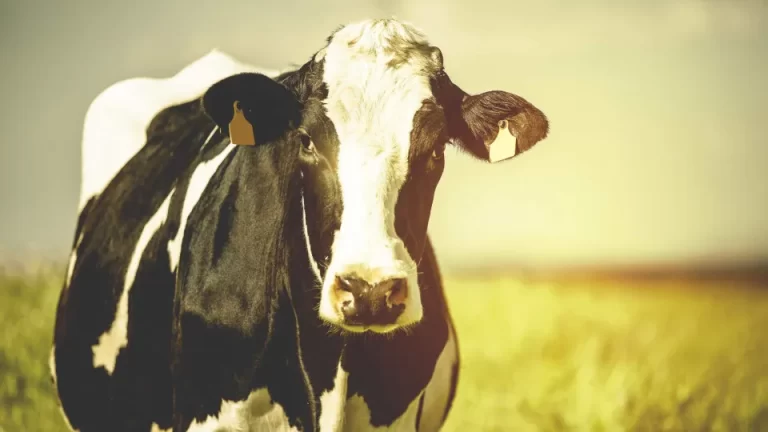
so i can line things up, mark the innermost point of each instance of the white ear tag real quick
(504, 146)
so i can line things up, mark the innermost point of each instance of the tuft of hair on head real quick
(398, 42)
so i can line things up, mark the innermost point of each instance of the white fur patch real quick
(52, 363)
(372, 104)
(439, 387)
(200, 178)
(73, 260)
(66, 420)
(358, 417)
(300, 355)
(312, 261)
(257, 413)
(332, 403)
(116, 121)
(110, 343)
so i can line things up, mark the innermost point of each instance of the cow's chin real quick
(402, 324)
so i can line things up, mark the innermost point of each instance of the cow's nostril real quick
(348, 308)
(397, 293)
(343, 284)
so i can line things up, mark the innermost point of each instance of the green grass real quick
(27, 307)
(536, 356)
(607, 357)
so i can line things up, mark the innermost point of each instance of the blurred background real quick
(613, 278)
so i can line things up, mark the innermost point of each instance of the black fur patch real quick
(110, 226)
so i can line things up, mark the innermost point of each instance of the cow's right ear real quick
(255, 100)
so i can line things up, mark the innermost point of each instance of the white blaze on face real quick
(377, 74)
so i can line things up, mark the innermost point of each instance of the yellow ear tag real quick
(504, 146)
(240, 129)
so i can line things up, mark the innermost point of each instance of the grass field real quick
(536, 356)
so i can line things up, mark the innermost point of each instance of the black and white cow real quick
(286, 285)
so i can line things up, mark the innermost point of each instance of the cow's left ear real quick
(252, 108)
(500, 125)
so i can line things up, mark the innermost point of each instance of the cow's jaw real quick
(377, 76)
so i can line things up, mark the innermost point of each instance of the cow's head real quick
(373, 111)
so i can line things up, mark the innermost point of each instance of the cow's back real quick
(110, 360)
(117, 120)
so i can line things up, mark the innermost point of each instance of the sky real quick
(656, 151)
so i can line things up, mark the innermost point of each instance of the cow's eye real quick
(306, 140)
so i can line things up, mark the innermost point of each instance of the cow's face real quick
(376, 113)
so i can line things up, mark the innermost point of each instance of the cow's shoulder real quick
(117, 120)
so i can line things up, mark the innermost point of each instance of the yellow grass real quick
(610, 357)
(536, 356)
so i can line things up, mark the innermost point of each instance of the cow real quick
(251, 248)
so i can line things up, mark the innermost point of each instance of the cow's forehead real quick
(384, 39)
(377, 74)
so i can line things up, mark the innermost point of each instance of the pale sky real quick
(657, 109)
